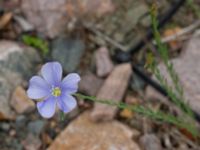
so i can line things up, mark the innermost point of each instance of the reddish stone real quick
(20, 102)
(90, 84)
(104, 64)
(113, 89)
(84, 134)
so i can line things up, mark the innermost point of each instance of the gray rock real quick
(68, 52)
(20, 121)
(5, 90)
(150, 142)
(133, 15)
(5, 126)
(36, 127)
(137, 84)
(16, 63)
(31, 142)
(146, 21)
(16, 145)
(17, 59)
(13, 78)
(32, 55)
(119, 37)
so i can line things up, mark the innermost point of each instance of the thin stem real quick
(157, 115)
(177, 98)
(62, 116)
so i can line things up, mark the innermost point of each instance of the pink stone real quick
(113, 88)
(104, 64)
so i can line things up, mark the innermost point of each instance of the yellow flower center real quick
(56, 92)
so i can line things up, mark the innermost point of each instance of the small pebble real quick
(5, 126)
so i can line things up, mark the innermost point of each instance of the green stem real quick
(157, 115)
(178, 96)
(62, 116)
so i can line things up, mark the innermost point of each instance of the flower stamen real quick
(56, 92)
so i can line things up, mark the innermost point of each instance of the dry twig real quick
(181, 33)
(92, 28)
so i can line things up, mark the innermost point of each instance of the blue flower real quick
(52, 91)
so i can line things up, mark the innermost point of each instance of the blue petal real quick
(70, 83)
(66, 103)
(52, 73)
(38, 88)
(47, 107)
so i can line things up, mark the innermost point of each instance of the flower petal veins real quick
(38, 88)
(70, 83)
(47, 107)
(52, 73)
(66, 103)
